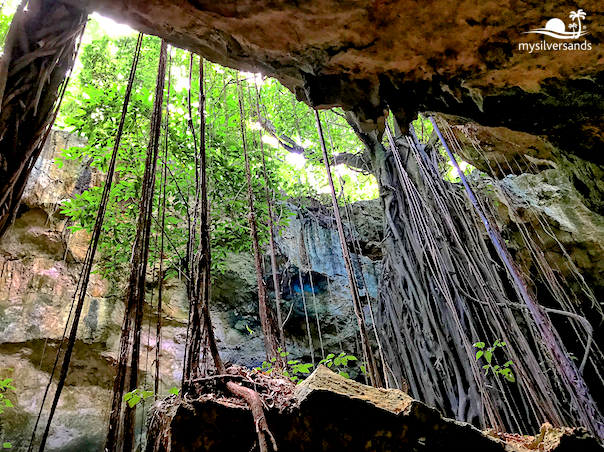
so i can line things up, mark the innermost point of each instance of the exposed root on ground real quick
(253, 400)
(237, 388)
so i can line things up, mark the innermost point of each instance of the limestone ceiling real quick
(460, 57)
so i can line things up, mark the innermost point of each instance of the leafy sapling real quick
(340, 362)
(294, 370)
(5, 385)
(488, 355)
(134, 397)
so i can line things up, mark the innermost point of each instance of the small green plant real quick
(363, 369)
(488, 354)
(5, 385)
(134, 397)
(295, 370)
(341, 363)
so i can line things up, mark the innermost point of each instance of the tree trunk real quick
(39, 53)
(444, 288)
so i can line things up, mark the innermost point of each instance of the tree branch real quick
(356, 161)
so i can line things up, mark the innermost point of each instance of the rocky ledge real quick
(330, 413)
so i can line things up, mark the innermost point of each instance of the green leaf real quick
(9, 404)
(134, 400)
(345, 374)
(510, 377)
(488, 355)
(479, 344)
(303, 368)
(479, 354)
(7, 445)
(174, 390)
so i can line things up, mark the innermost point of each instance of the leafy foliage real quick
(7, 11)
(95, 112)
(93, 106)
(340, 362)
(488, 355)
(134, 397)
(5, 385)
(295, 370)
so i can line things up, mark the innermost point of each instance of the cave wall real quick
(40, 261)
(553, 194)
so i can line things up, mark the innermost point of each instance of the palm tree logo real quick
(557, 28)
(577, 15)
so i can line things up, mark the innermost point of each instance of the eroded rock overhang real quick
(461, 57)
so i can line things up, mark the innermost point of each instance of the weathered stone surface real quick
(330, 413)
(499, 151)
(315, 275)
(459, 58)
(50, 183)
(568, 233)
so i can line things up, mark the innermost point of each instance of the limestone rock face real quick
(333, 414)
(50, 183)
(40, 262)
(461, 58)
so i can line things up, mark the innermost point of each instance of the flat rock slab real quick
(333, 414)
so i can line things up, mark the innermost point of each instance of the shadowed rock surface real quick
(462, 57)
(331, 413)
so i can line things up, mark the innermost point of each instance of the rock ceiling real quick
(461, 57)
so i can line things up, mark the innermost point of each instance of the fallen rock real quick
(330, 413)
